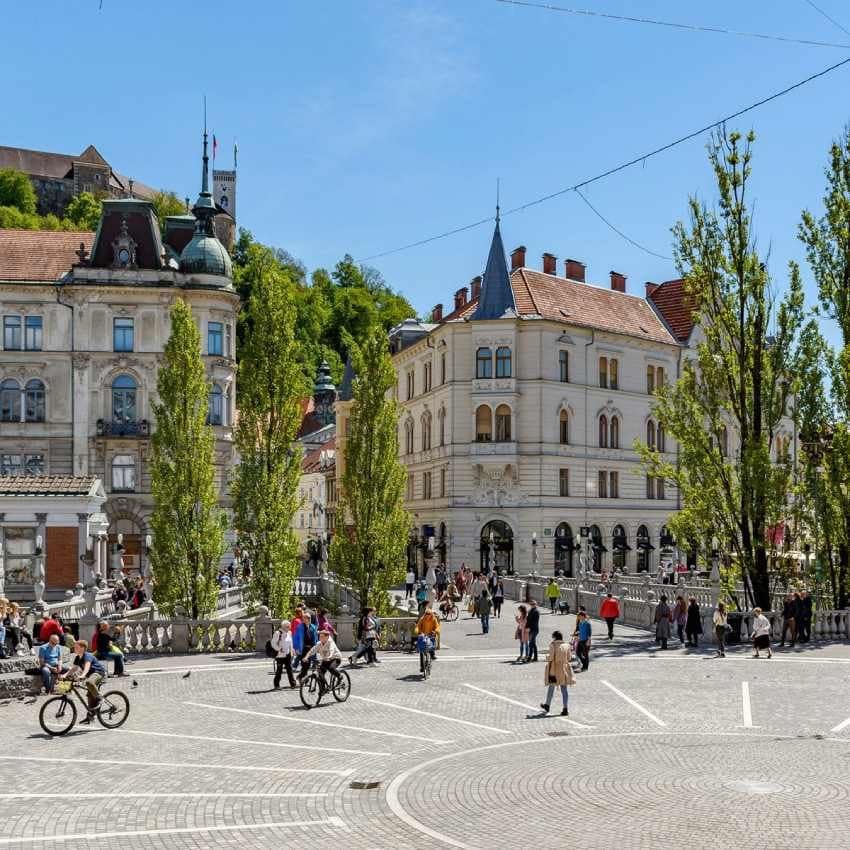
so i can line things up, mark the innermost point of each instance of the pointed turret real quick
(497, 296)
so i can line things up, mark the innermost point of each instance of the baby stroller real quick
(563, 606)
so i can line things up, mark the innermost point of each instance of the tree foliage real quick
(166, 203)
(186, 522)
(271, 385)
(17, 191)
(84, 211)
(373, 526)
(735, 389)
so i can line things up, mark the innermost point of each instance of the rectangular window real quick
(442, 368)
(602, 479)
(564, 366)
(215, 338)
(19, 554)
(409, 486)
(443, 483)
(10, 465)
(614, 485)
(122, 334)
(12, 333)
(613, 377)
(650, 487)
(411, 384)
(659, 488)
(427, 377)
(603, 372)
(650, 379)
(564, 482)
(426, 485)
(32, 333)
(228, 342)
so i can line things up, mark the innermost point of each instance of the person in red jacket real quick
(609, 610)
(50, 626)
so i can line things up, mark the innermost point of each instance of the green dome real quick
(206, 255)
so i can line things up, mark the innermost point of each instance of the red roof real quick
(40, 254)
(671, 300)
(563, 300)
(311, 460)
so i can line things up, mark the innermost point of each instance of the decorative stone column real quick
(40, 583)
(2, 557)
(83, 546)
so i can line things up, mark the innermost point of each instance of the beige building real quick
(85, 321)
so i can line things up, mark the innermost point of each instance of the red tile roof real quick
(40, 254)
(46, 485)
(563, 300)
(671, 300)
(312, 459)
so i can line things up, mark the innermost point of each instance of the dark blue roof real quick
(497, 297)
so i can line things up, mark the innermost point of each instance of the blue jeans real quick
(47, 679)
(531, 652)
(523, 648)
(550, 692)
(485, 623)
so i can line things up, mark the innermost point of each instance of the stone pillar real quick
(263, 628)
(83, 547)
(180, 628)
(82, 399)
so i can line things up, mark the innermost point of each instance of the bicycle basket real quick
(63, 687)
(423, 643)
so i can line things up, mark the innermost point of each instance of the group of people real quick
(13, 632)
(296, 642)
(796, 617)
(129, 592)
(685, 616)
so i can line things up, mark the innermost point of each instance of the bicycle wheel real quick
(310, 690)
(426, 665)
(341, 687)
(114, 709)
(57, 715)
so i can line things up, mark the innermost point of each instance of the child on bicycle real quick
(86, 667)
(327, 652)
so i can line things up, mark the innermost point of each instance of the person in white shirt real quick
(327, 652)
(282, 644)
(761, 633)
(409, 581)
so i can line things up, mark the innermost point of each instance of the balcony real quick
(125, 428)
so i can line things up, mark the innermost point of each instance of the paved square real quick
(660, 749)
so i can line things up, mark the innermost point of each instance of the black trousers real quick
(281, 664)
(583, 653)
(610, 621)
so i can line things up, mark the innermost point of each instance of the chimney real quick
(517, 258)
(475, 288)
(437, 313)
(549, 261)
(574, 270)
(650, 288)
(460, 298)
(618, 282)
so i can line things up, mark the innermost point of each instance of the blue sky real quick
(368, 124)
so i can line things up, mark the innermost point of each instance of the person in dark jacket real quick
(532, 623)
(693, 625)
(789, 619)
(804, 632)
(105, 649)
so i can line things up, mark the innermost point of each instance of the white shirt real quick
(410, 577)
(326, 651)
(761, 626)
(282, 642)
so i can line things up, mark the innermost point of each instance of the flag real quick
(215, 146)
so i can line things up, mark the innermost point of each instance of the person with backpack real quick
(281, 645)
(422, 596)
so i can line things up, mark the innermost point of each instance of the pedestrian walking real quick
(680, 617)
(609, 610)
(804, 633)
(498, 598)
(282, 644)
(761, 633)
(583, 633)
(478, 584)
(409, 581)
(789, 619)
(663, 619)
(521, 633)
(421, 596)
(693, 625)
(721, 626)
(558, 672)
(553, 593)
(484, 606)
(533, 623)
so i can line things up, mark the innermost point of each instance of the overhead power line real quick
(548, 7)
(617, 168)
(828, 17)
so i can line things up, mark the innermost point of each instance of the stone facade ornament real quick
(124, 249)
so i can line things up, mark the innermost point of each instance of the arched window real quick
(215, 416)
(124, 473)
(613, 376)
(615, 432)
(408, 436)
(483, 424)
(503, 362)
(503, 424)
(620, 545)
(10, 401)
(650, 434)
(660, 438)
(484, 363)
(34, 401)
(564, 427)
(603, 432)
(442, 417)
(603, 371)
(644, 547)
(123, 399)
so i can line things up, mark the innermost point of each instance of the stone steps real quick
(17, 683)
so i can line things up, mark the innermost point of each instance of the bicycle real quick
(314, 686)
(59, 713)
(425, 645)
(449, 613)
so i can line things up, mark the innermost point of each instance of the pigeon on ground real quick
(135, 684)
(187, 674)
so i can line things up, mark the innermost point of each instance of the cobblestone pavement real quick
(660, 749)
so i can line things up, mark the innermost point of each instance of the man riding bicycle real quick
(89, 669)
(328, 654)
(428, 625)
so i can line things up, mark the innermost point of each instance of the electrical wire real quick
(828, 17)
(620, 232)
(548, 7)
(616, 168)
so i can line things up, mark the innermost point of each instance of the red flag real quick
(215, 146)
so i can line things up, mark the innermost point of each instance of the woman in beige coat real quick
(558, 671)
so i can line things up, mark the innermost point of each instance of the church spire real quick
(204, 208)
(497, 296)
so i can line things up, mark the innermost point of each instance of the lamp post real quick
(534, 555)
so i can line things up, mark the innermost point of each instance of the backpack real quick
(271, 652)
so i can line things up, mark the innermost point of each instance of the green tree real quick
(187, 525)
(166, 203)
(373, 526)
(17, 191)
(736, 388)
(271, 385)
(84, 211)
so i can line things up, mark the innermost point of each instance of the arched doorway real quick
(644, 547)
(597, 548)
(620, 546)
(497, 547)
(564, 548)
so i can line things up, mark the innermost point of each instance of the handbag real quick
(552, 679)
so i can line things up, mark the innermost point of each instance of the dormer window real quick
(124, 248)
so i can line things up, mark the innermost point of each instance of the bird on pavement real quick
(187, 674)
(135, 684)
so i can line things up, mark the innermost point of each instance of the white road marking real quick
(436, 716)
(841, 726)
(747, 709)
(260, 743)
(319, 723)
(142, 795)
(182, 830)
(52, 759)
(529, 707)
(634, 704)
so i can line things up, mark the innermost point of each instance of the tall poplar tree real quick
(186, 522)
(271, 384)
(735, 389)
(373, 526)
